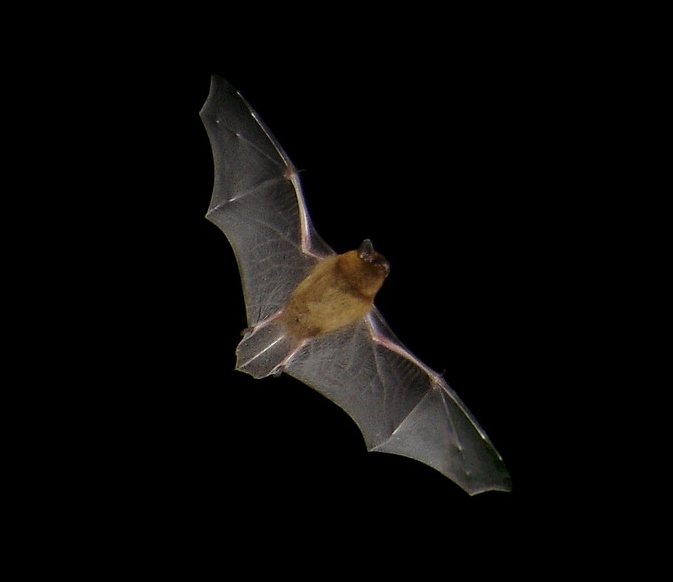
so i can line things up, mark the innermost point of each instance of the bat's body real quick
(311, 314)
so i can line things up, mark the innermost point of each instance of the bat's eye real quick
(381, 262)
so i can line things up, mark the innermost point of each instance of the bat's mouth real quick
(382, 263)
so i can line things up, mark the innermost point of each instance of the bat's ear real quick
(366, 250)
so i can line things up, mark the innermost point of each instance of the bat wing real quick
(258, 203)
(399, 404)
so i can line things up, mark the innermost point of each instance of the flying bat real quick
(311, 312)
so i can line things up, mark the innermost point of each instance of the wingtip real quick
(217, 84)
(501, 488)
(504, 486)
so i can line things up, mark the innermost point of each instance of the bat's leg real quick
(266, 348)
(281, 367)
(260, 324)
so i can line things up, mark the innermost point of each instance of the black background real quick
(452, 151)
(435, 169)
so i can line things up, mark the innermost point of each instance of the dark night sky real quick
(452, 157)
(436, 170)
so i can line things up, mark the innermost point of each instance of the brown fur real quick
(338, 291)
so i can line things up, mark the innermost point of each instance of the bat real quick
(311, 312)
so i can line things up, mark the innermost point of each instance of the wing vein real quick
(275, 229)
(254, 146)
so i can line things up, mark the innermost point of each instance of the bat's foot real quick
(280, 368)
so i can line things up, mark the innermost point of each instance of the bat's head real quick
(364, 270)
(373, 261)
